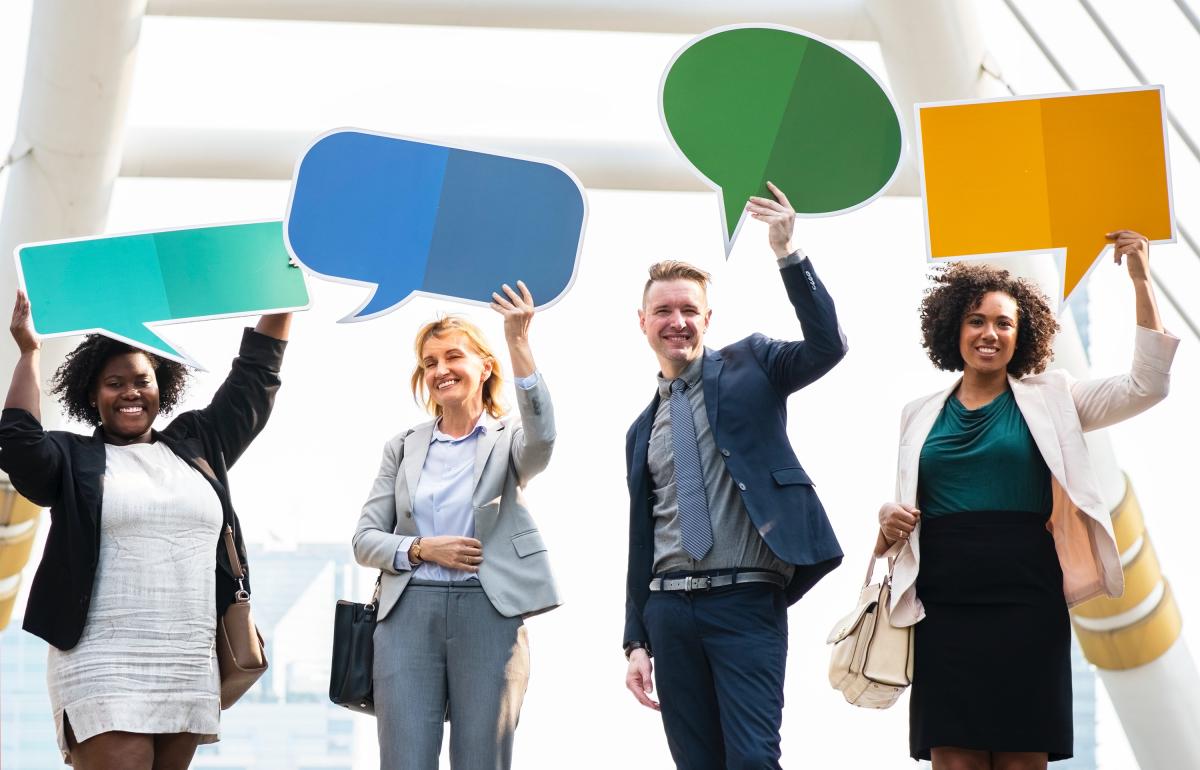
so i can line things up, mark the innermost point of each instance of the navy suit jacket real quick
(746, 386)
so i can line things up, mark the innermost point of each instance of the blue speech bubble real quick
(407, 217)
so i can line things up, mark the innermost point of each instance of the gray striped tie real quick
(695, 527)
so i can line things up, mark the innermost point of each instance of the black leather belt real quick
(705, 582)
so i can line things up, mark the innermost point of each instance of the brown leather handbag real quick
(240, 651)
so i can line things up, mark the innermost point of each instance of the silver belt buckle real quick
(698, 583)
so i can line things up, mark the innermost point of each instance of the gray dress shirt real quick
(736, 543)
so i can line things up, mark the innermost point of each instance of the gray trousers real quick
(445, 654)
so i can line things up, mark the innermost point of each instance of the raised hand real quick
(1135, 249)
(22, 325)
(518, 311)
(779, 216)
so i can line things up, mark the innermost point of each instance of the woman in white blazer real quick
(461, 558)
(1000, 516)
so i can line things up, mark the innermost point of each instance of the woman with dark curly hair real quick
(133, 577)
(997, 525)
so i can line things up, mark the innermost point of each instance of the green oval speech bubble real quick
(751, 103)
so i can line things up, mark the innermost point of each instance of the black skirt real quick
(992, 660)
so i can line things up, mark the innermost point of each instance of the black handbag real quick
(350, 673)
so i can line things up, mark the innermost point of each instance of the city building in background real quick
(295, 590)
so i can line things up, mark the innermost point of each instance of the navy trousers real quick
(719, 660)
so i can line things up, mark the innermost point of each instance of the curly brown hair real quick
(75, 380)
(958, 289)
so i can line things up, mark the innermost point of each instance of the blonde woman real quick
(461, 555)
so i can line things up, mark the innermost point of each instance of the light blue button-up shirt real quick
(442, 500)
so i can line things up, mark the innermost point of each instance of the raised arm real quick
(275, 325)
(793, 365)
(32, 461)
(533, 440)
(23, 391)
(1106, 401)
(1135, 250)
(240, 407)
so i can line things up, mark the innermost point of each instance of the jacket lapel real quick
(1032, 404)
(921, 423)
(711, 374)
(89, 479)
(915, 432)
(416, 447)
(492, 430)
(641, 446)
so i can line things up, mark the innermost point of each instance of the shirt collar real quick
(690, 375)
(480, 427)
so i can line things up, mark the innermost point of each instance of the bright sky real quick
(346, 385)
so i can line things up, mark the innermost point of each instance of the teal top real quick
(982, 460)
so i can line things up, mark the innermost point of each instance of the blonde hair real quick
(452, 324)
(674, 269)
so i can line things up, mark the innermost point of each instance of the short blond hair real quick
(452, 324)
(673, 270)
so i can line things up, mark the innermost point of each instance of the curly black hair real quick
(958, 289)
(75, 380)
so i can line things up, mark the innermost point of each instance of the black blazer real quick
(64, 471)
(746, 386)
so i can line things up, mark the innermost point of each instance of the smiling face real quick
(674, 318)
(454, 372)
(987, 337)
(126, 395)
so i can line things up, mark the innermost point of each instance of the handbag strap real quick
(375, 596)
(890, 554)
(235, 563)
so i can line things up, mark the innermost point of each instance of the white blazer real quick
(1058, 410)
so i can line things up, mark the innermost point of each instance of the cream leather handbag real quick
(872, 660)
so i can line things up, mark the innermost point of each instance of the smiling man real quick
(725, 529)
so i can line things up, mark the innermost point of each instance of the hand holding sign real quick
(1034, 174)
(408, 217)
(749, 103)
(21, 326)
(121, 285)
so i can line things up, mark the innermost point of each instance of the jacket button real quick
(725, 452)
(741, 486)
(408, 514)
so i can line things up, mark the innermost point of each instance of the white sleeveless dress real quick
(146, 662)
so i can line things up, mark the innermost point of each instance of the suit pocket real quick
(786, 476)
(528, 543)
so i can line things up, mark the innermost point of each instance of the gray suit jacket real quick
(515, 573)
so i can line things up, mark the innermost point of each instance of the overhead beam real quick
(248, 154)
(838, 19)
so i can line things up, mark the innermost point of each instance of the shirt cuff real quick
(527, 383)
(795, 258)
(400, 561)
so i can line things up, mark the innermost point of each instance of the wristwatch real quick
(631, 646)
(414, 553)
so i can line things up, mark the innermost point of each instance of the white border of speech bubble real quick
(373, 287)
(1059, 254)
(728, 241)
(183, 357)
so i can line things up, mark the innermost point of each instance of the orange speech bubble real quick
(1032, 174)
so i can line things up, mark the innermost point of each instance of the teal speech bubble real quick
(751, 103)
(119, 285)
